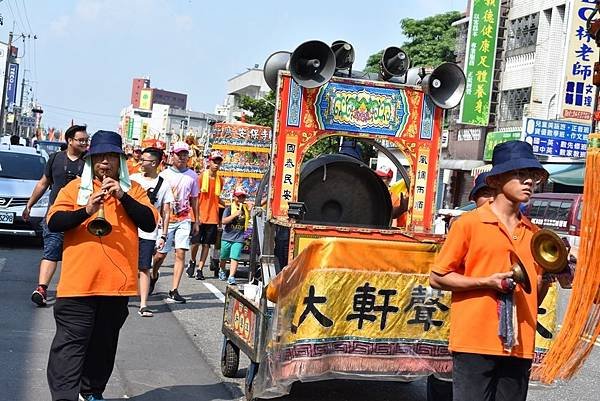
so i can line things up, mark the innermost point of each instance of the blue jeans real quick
(53, 243)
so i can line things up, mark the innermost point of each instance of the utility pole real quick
(4, 84)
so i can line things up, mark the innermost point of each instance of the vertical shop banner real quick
(479, 62)
(577, 95)
(11, 85)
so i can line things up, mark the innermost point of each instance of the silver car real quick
(20, 169)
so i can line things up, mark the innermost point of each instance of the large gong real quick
(341, 190)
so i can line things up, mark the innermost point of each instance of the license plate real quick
(7, 218)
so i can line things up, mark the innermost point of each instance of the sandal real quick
(145, 312)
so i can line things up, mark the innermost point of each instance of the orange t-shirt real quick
(209, 201)
(133, 166)
(478, 245)
(399, 221)
(99, 265)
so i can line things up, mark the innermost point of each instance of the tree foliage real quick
(262, 110)
(430, 41)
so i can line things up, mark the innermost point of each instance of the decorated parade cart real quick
(354, 301)
(245, 149)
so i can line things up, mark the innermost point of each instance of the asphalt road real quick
(176, 354)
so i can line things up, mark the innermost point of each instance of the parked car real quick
(49, 146)
(558, 212)
(20, 169)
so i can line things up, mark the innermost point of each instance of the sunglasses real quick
(533, 174)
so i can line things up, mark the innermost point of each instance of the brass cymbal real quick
(549, 251)
(520, 273)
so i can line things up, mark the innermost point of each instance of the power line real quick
(19, 15)
(80, 111)
(26, 16)
(15, 21)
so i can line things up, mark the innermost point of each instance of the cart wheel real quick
(230, 358)
(249, 383)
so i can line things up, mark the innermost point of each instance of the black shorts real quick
(207, 235)
(146, 249)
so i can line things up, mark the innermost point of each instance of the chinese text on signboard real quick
(578, 92)
(494, 138)
(479, 63)
(557, 138)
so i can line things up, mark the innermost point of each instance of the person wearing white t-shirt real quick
(161, 195)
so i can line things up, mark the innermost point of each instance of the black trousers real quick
(478, 377)
(82, 354)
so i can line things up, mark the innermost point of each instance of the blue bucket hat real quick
(105, 142)
(513, 155)
(479, 184)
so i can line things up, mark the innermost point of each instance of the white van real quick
(21, 167)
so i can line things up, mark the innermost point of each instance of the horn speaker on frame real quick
(312, 64)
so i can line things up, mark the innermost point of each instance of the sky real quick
(87, 52)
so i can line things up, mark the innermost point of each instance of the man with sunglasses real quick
(492, 353)
(61, 168)
(160, 194)
(183, 220)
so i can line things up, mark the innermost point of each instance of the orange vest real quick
(99, 265)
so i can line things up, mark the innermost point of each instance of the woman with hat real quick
(492, 361)
(98, 274)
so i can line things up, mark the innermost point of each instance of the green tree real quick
(430, 41)
(263, 110)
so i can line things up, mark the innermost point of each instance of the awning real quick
(572, 175)
(466, 165)
(478, 170)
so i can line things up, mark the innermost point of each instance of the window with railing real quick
(522, 32)
(512, 103)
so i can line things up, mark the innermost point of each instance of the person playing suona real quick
(61, 168)
(209, 201)
(184, 183)
(492, 356)
(235, 219)
(98, 274)
(161, 196)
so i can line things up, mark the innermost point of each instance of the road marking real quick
(215, 291)
(2, 263)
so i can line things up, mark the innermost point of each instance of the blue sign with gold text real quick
(356, 108)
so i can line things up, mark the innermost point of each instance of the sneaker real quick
(91, 397)
(39, 296)
(222, 275)
(175, 297)
(190, 269)
(199, 275)
(153, 281)
(231, 280)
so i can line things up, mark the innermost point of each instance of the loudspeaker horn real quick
(344, 54)
(312, 64)
(445, 85)
(275, 62)
(394, 62)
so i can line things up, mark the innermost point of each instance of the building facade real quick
(160, 114)
(528, 77)
(250, 83)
